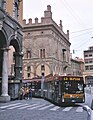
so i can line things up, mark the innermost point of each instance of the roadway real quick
(39, 109)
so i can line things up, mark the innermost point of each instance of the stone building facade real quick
(88, 68)
(77, 66)
(10, 35)
(46, 47)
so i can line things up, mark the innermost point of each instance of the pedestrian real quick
(21, 91)
(27, 90)
(30, 93)
(25, 93)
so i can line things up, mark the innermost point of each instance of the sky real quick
(76, 16)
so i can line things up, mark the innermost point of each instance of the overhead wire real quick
(73, 13)
(82, 45)
(77, 18)
(80, 34)
(81, 30)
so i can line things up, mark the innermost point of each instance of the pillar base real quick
(4, 98)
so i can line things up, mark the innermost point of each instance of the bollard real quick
(89, 111)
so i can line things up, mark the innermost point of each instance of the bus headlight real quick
(83, 100)
(80, 87)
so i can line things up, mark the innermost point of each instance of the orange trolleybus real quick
(65, 89)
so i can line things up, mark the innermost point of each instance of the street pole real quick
(42, 86)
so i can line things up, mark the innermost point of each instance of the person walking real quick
(21, 91)
(25, 93)
(30, 93)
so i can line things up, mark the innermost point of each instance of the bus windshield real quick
(73, 87)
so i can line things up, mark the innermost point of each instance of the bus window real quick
(73, 87)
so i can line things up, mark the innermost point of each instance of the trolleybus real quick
(65, 89)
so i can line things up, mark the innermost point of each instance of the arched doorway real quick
(14, 68)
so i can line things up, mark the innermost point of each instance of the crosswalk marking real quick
(2, 110)
(55, 108)
(17, 106)
(36, 107)
(28, 106)
(46, 107)
(79, 109)
(10, 105)
(67, 109)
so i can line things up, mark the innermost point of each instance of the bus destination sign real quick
(71, 78)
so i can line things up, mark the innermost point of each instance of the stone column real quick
(4, 96)
(18, 66)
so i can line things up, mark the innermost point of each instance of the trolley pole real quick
(42, 86)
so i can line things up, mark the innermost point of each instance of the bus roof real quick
(60, 77)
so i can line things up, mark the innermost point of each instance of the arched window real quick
(28, 71)
(15, 9)
(42, 67)
(28, 53)
(42, 53)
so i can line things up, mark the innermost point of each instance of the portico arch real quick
(10, 35)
